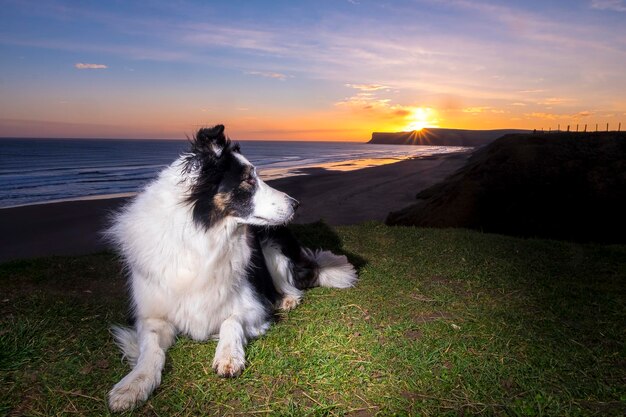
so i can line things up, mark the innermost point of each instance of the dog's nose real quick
(294, 203)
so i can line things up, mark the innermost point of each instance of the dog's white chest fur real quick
(195, 279)
(216, 290)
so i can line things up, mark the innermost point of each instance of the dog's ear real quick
(211, 139)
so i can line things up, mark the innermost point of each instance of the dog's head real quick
(223, 183)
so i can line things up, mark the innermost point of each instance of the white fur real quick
(335, 270)
(184, 279)
(282, 276)
(126, 340)
(188, 279)
(271, 207)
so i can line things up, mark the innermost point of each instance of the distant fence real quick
(583, 128)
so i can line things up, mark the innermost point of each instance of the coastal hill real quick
(441, 137)
(557, 185)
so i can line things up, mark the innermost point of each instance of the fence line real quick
(558, 129)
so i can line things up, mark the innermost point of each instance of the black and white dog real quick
(206, 261)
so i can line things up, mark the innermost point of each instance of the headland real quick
(441, 137)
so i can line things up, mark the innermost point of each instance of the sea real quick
(34, 171)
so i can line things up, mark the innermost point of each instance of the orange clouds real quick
(369, 106)
(555, 116)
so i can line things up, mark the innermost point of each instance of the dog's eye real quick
(250, 177)
(250, 180)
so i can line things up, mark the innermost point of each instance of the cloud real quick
(364, 102)
(476, 109)
(367, 99)
(367, 87)
(259, 40)
(483, 109)
(518, 104)
(82, 66)
(555, 116)
(269, 74)
(613, 5)
(547, 116)
(373, 106)
(552, 101)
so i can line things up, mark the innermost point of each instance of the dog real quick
(208, 256)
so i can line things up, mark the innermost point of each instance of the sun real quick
(416, 125)
(420, 118)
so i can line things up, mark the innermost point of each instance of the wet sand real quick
(338, 198)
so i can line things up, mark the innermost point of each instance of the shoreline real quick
(268, 174)
(69, 200)
(338, 197)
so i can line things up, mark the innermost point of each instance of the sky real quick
(308, 70)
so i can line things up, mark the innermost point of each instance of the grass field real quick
(442, 322)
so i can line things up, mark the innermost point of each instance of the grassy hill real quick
(442, 322)
(558, 185)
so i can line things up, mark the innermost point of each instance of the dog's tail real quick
(331, 270)
(126, 339)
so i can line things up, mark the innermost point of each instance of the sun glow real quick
(420, 118)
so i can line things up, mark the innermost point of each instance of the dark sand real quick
(338, 198)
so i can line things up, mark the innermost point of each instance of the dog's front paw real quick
(289, 302)
(128, 393)
(228, 366)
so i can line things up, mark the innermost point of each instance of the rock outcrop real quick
(441, 137)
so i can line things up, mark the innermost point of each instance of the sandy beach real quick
(338, 198)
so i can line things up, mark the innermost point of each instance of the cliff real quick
(560, 185)
(441, 137)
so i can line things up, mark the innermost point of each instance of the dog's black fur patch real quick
(222, 185)
(304, 269)
(259, 276)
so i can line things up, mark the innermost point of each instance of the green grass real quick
(442, 322)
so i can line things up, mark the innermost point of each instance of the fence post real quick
(585, 127)
(607, 127)
(568, 128)
(596, 127)
(619, 126)
(559, 127)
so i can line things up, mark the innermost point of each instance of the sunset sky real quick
(308, 70)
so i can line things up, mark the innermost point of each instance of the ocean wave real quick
(45, 170)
